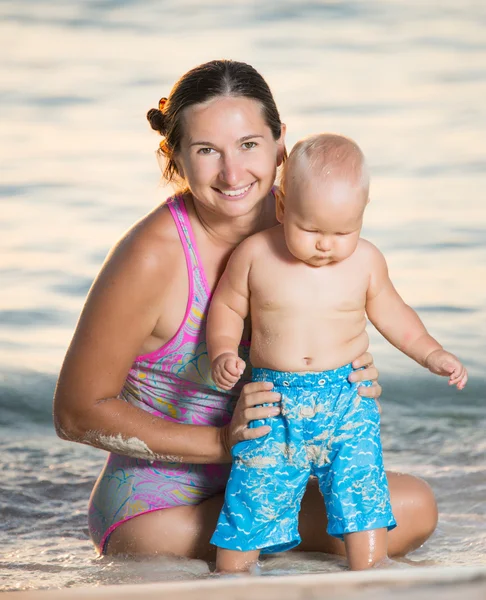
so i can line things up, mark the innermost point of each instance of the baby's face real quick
(322, 220)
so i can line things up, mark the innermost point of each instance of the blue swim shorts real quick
(325, 429)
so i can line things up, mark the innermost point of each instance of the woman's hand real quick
(366, 372)
(246, 410)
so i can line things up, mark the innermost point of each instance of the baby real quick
(310, 283)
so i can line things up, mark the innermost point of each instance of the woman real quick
(139, 352)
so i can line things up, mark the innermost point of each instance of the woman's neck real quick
(226, 231)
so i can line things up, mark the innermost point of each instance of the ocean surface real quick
(405, 78)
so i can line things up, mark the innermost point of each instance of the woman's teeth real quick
(236, 192)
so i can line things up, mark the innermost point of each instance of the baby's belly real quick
(290, 351)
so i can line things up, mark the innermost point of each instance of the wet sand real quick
(420, 583)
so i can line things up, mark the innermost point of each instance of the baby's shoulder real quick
(261, 240)
(365, 249)
(370, 258)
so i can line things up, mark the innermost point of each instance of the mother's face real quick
(228, 155)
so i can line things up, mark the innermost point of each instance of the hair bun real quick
(157, 120)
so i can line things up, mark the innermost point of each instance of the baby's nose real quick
(323, 243)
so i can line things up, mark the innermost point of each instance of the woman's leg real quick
(414, 508)
(186, 530)
(179, 531)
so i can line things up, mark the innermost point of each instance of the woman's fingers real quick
(253, 394)
(256, 432)
(368, 374)
(263, 412)
(365, 360)
(258, 397)
(256, 386)
(373, 391)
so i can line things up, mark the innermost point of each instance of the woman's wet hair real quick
(201, 84)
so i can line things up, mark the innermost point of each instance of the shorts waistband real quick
(302, 378)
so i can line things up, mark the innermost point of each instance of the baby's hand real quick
(444, 363)
(226, 369)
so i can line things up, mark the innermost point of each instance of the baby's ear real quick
(279, 205)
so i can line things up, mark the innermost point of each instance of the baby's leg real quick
(234, 561)
(366, 549)
(355, 488)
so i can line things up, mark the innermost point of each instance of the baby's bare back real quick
(306, 318)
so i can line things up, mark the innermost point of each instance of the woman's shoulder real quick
(150, 245)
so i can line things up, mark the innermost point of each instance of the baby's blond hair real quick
(326, 155)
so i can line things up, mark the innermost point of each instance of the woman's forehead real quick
(225, 117)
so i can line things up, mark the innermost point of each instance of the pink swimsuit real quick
(173, 383)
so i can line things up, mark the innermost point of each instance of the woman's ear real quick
(279, 206)
(281, 145)
(178, 164)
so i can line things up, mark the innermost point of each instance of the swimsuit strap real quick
(199, 289)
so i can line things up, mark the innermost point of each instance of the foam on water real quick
(405, 79)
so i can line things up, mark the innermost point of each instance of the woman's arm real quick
(120, 314)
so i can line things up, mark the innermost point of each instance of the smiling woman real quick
(136, 378)
(232, 170)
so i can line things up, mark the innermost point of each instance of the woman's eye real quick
(205, 150)
(249, 145)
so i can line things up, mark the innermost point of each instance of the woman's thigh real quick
(180, 531)
(186, 530)
(413, 505)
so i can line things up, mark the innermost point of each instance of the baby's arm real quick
(402, 327)
(229, 307)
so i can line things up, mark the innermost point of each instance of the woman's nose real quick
(231, 170)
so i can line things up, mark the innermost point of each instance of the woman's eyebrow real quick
(249, 137)
(201, 143)
(245, 138)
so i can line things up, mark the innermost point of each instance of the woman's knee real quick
(415, 509)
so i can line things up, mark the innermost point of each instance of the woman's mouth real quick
(236, 193)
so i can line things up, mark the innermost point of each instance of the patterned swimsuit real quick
(173, 383)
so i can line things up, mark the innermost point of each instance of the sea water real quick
(406, 79)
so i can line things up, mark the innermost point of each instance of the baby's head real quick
(323, 194)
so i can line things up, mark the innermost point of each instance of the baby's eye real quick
(249, 145)
(205, 150)
(342, 233)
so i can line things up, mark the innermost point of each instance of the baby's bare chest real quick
(298, 287)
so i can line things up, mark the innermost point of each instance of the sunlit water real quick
(406, 79)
